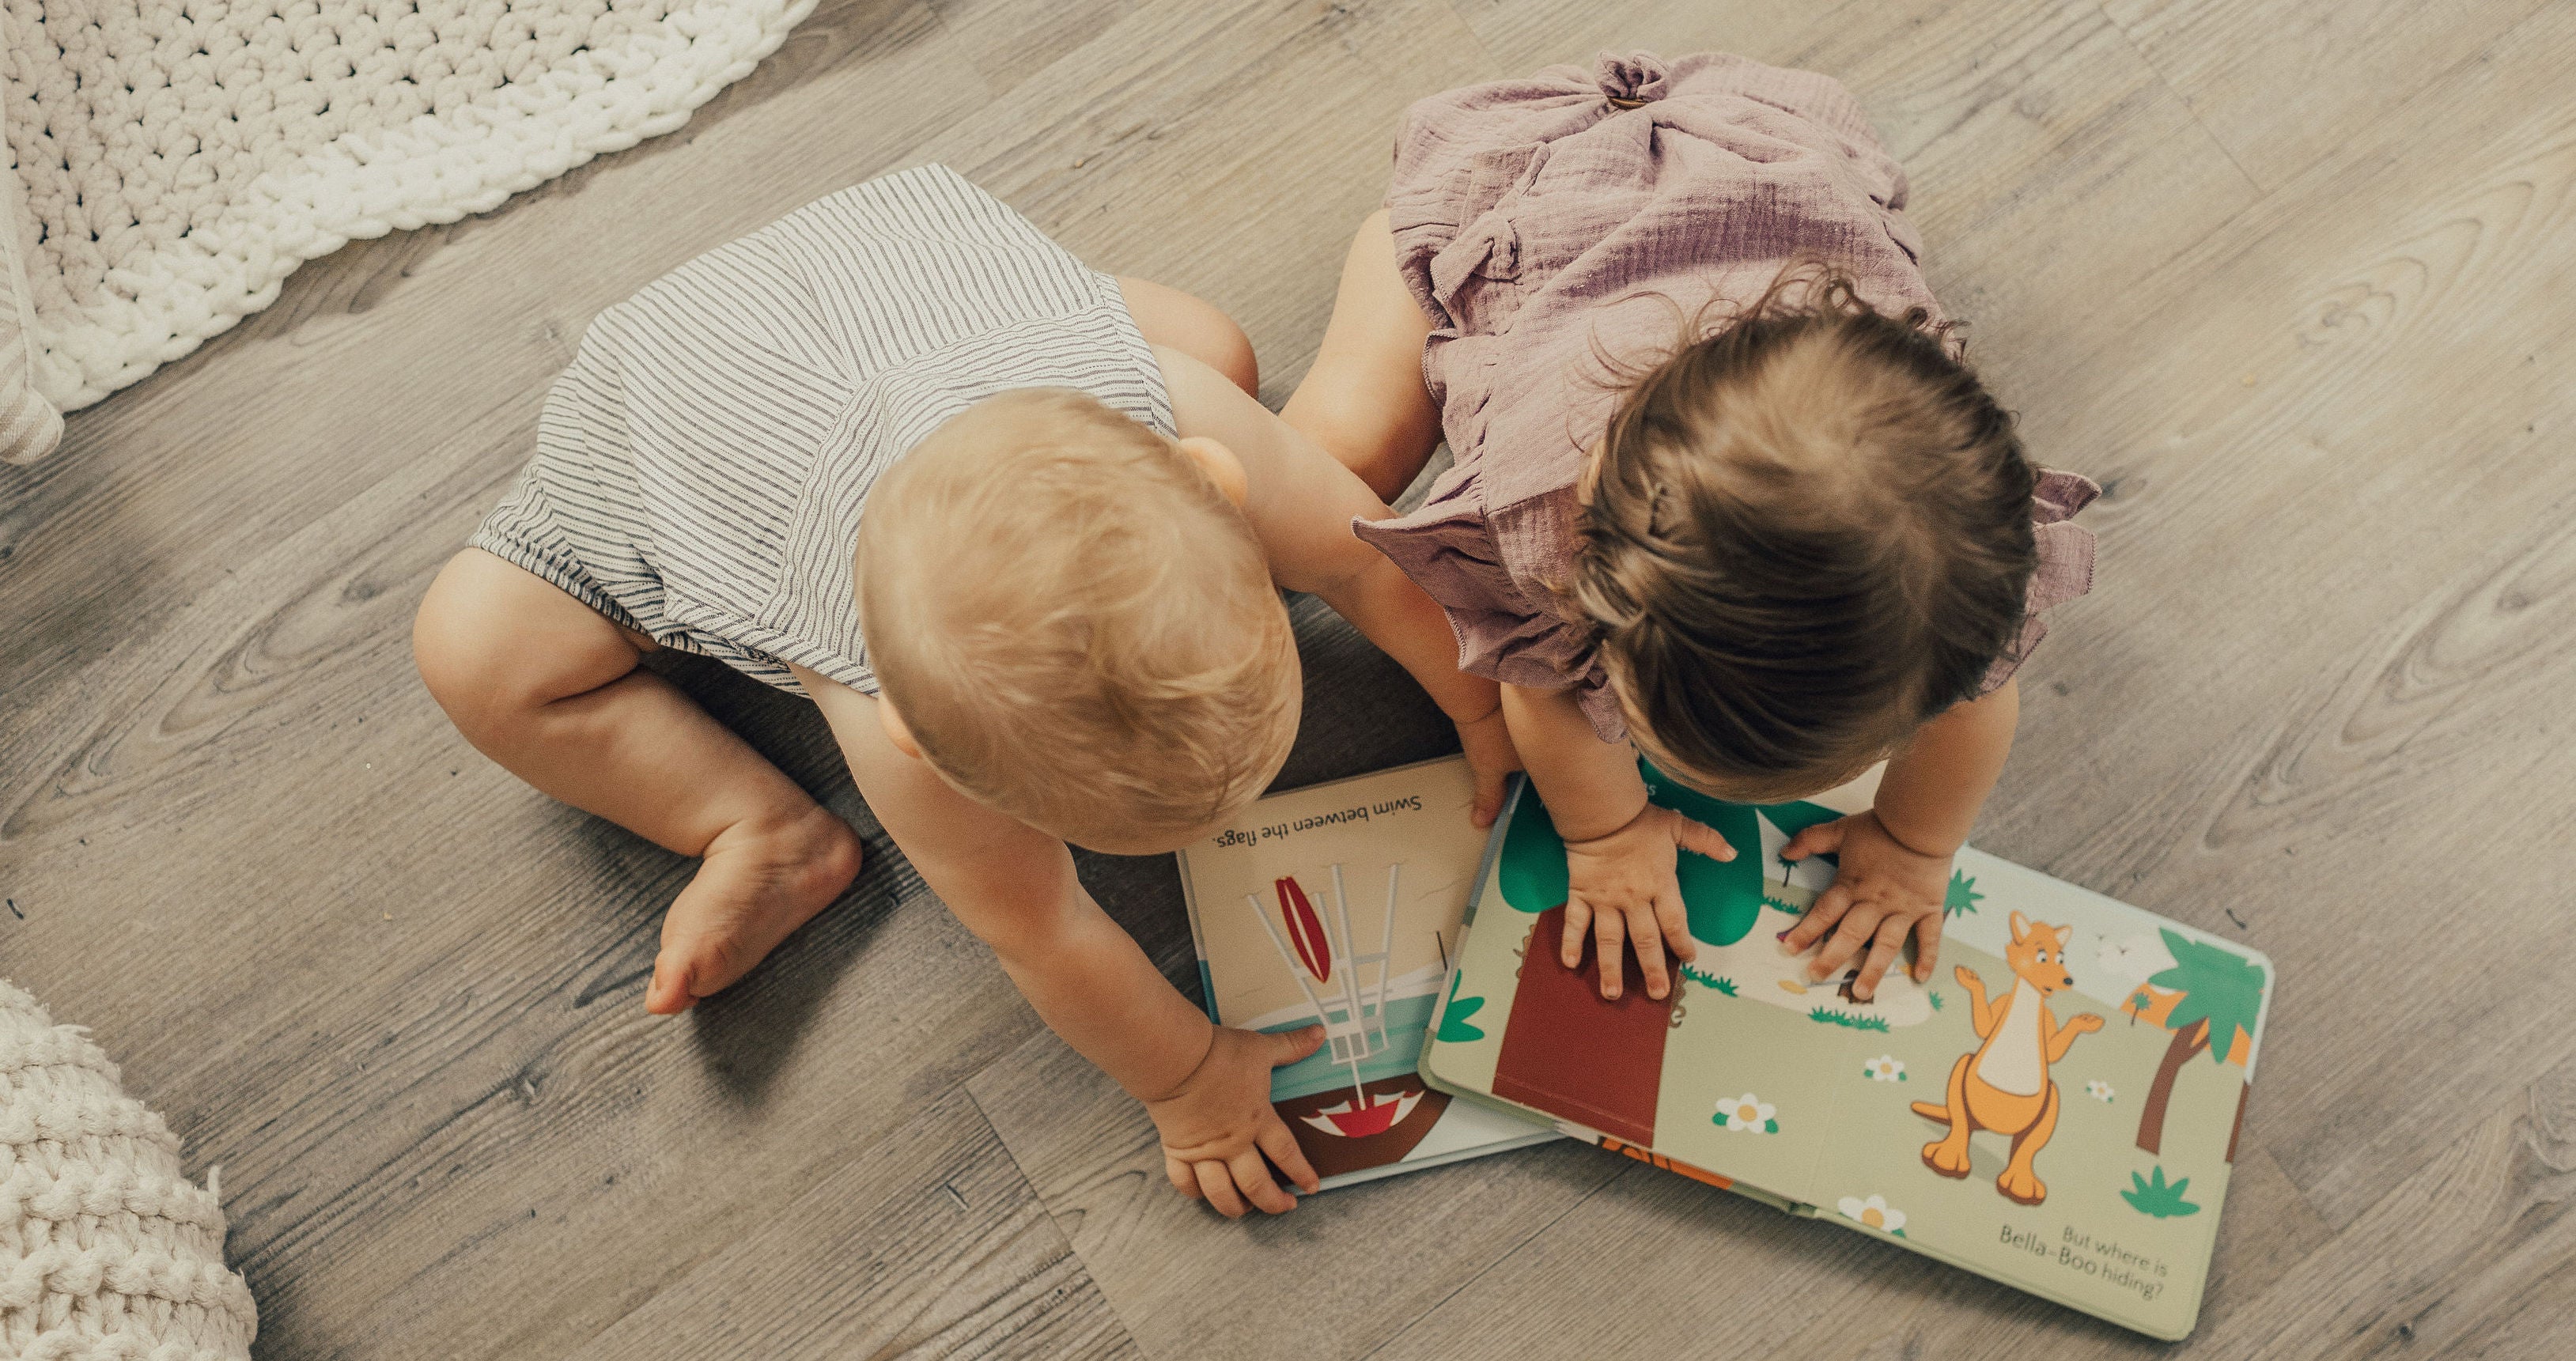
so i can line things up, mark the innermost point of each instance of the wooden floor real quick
(2294, 279)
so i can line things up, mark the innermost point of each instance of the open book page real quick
(2064, 1120)
(1986, 1122)
(1341, 904)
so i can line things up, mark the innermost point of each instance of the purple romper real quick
(1542, 221)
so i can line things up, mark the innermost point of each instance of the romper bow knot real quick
(1630, 81)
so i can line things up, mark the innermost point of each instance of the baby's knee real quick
(452, 644)
(1224, 347)
(490, 655)
(1195, 327)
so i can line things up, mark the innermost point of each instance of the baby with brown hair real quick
(1724, 494)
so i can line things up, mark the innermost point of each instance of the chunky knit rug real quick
(107, 1250)
(178, 158)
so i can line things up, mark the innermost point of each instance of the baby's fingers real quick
(1217, 1180)
(1828, 909)
(1609, 929)
(1275, 1139)
(1824, 838)
(1184, 1180)
(1649, 943)
(1701, 838)
(1578, 923)
(1858, 925)
(1489, 796)
(1674, 917)
(1927, 945)
(1883, 950)
(1253, 1175)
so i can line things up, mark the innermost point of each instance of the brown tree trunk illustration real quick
(1570, 1054)
(2242, 1091)
(2151, 1121)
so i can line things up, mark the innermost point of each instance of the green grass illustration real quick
(1725, 986)
(1963, 895)
(2158, 1199)
(1934, 998)
(1453, 1018)
(1877, 1023)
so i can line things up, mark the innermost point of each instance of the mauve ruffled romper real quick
(1535, 219)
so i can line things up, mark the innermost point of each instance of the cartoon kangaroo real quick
(2004, 1085)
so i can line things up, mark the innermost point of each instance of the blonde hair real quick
(1809, 531)
(1077, 626)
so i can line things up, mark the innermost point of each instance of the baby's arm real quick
(1620, 850)
(1207, 1087)
(1301, 502)
(1894, 878)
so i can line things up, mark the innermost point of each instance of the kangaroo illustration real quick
(2004, 1085)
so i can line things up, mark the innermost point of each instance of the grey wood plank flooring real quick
(2290, 277)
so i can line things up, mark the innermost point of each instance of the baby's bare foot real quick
(755, 885)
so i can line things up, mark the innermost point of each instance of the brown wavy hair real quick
(1808, 531)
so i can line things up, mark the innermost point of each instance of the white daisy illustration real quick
(2098, 1090)
(1874, 1213)
(1747, 1112)
(1885, 1068)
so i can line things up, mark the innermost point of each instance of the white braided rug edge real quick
(363, 185)
(107, 1251)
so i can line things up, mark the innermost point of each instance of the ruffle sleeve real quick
(2065, 568)
(1508, 628)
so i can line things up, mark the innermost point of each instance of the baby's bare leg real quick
(1195, 327)
(550, 689)
(1364, 399)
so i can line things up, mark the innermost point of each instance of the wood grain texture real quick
(928, 1243)
(1346, 1271)
(2291, 278)
(2280, 85)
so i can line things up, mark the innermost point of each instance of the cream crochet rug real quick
(176, 159)
(107, 1250)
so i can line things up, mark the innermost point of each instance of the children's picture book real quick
(2056, 1109)
(1341, 904)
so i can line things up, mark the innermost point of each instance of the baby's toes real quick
(704, 963)
(669, 993)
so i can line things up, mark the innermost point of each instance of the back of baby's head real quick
(1076, 625)
(1809, 531)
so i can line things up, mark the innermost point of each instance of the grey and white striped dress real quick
(701, 466)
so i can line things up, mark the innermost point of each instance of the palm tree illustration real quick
(2217, 994)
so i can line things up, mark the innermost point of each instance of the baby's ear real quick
(895, 730)
(1221, 466)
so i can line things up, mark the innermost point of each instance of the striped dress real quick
(702, 465)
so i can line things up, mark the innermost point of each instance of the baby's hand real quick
(1884, 891)
(1219, 1122)
(1621, 886)
(1490, 754)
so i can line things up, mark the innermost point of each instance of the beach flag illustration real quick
(1328, 973)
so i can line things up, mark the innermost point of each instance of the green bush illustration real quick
(1963, 895)
(1934, 998)
(1532, 871)
(1453, 1016)
(1723, 897)
(1725, 986)
(2158, 1199)
(1877, 1023)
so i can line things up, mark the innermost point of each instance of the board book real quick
(1341, 904)
(2056, 1109)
